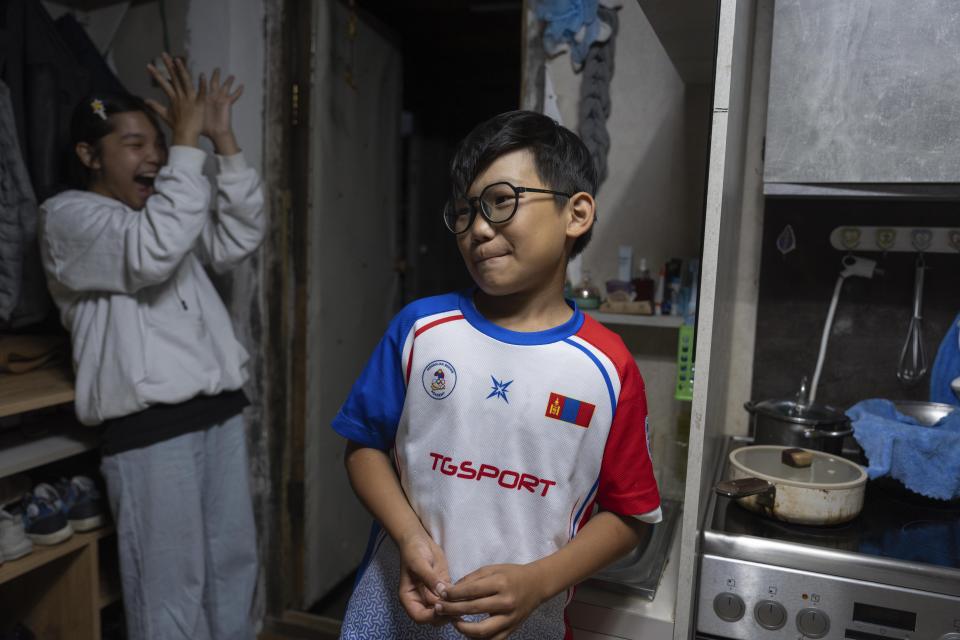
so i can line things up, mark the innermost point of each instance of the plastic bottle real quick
(643, 284)
(585, 293)
(659, 291)
(624, 263)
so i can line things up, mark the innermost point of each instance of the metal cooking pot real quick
(926, 413)
(829, 491)
(792, 424)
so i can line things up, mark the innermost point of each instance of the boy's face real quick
(128, 159)
(529, 251)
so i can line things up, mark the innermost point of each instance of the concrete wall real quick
(652, 198)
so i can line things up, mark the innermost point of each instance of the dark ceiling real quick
(461, 58)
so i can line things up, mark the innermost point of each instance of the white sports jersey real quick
(502, 440)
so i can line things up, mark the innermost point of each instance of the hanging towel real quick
(946, 367)
(925, 459)
(573, 25)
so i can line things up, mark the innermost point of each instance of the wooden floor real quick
(296, 625)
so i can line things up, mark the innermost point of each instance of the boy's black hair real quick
(561, 159)
(90, 122)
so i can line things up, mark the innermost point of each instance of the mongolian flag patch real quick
(569, 410)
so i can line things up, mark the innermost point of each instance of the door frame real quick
(288, 27)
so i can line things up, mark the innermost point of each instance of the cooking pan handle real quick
(818, 433)
(745, 487)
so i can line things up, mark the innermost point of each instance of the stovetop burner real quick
(891, 572)
(893, 524)
(882, 529)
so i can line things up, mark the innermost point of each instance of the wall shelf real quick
(56, 591)
(59, 591)
(663, 322)
(22, 392)
(20, 452)
(42, 555)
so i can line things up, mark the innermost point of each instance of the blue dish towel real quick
(925, 459)
(946, 367)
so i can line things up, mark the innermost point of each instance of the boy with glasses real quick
(488, 423)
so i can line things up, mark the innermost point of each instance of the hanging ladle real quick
(913, 359)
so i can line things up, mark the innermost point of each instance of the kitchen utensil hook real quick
(912, 366)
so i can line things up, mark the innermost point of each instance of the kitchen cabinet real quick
(57, 591)
(863, 91)
(730, 188)
(728, 207)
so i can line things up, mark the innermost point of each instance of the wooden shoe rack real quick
(57, 591)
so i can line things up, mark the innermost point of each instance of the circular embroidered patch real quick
(439, 378)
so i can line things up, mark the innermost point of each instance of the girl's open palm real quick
(185, 114)
(219, 100)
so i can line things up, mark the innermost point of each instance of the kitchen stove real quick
(892, 572)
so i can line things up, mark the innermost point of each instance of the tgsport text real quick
(504, 477)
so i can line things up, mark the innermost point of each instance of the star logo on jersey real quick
(499, 389)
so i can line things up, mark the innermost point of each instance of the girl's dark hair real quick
(561, 159)
(90, 122)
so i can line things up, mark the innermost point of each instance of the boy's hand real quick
(508, 593)
(186, 111)
(423, 569)
(216, 115)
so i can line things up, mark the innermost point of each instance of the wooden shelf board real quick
(19, 452)
(22, 392)
(108, 572)
(664, 322)
(41, 555)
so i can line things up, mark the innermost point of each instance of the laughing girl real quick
(156, 359)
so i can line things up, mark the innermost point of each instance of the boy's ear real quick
(87, 156)
(583, 211)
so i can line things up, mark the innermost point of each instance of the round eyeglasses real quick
(497, 203)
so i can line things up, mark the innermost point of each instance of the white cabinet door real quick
(725, 179)
(864, 91)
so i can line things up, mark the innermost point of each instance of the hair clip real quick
(98, 109)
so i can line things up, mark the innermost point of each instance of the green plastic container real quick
(684, 390)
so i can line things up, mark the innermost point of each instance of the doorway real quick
(392, 89)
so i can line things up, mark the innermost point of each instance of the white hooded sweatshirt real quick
(146, 323)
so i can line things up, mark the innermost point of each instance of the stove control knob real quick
(950, 636)
(729, 607)
(813, 623)
(770, 615)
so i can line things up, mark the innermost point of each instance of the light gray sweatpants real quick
(185, 530)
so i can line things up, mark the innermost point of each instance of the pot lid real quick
(826, 471)
(793, 411)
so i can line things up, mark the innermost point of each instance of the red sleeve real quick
(627, 486)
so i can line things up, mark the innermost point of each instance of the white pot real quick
(829, 491)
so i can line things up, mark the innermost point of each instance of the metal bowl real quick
(926, 413)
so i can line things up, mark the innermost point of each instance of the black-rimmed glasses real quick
(497, 203)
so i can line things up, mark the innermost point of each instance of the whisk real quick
(913, 359)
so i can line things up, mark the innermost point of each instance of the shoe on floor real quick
(14, 542)
(81, 503)
(44, 518)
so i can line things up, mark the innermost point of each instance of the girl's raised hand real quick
(216, 115)
(186, 110)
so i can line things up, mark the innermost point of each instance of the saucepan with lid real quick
(799, 422)
(813, 488)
